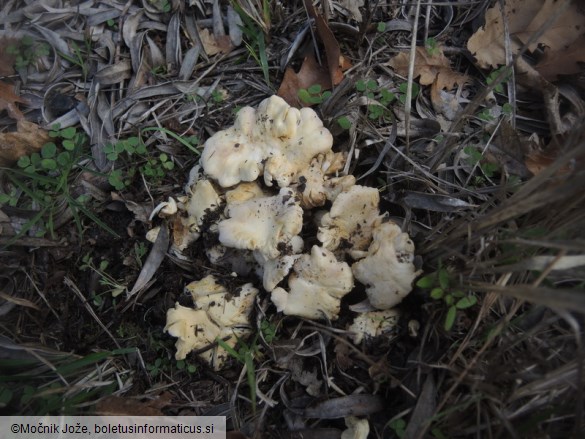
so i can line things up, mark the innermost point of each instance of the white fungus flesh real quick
(315, 183)
(202, 201)
(374, 324)
(275, 140)
(217, 313)
(265, 225)
(356, 428)
(388, 269)
(350, 222)
(315, 287)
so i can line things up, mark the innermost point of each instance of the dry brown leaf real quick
(214, 45)
(431, 67)
(561, 41)
(311, 73)
(19, 301)
(8, 100)
(27, 139)
(122, 406)
(444, 102)
(7, 59)
(343, 355)
(353, 8)
(564, 62)
(336, 62)
(538, 158)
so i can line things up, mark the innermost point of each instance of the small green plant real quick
(344, 122)
(432, 47)
(112, 24)
(507, 109)
(439, 284)
(381, 26)
(217, 96)
(475, 158)
(372, 91)
(184, 365)
(159, 71)
(499, 88)
(41, 182)
(140, 251)
(313, 95)
(79, 58)
(113, 287)
(245, 354)
(159, 366)
(254, 37)
(485, 115)
(27, 51)
(268, 330)
(153, 168)
(399, 427)
(161, 5)
(403, 88)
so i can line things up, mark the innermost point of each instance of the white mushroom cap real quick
(244, 192)
(275, 139)
(356, 428)
(374, 324)
(203, 200)
(314, 185)
(294, 143)
(217, 314)
(353, 216)
(266, 225)
(316, 286)
(388, 270)
(234, 155)
(152, 234)
(192, 327)
(225, 309)
(275, 270)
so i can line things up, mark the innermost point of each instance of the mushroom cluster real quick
(260, 226)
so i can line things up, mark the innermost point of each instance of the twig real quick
(68, 282)
(407, 104)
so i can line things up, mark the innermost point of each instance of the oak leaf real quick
(431, 65)
(27, 139)
(214, 45)
(311, 73)
(7, 58)
(125, 406)
(336, 62)
(8, 100)
(562, 42)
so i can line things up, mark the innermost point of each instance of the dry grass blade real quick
(541, 192)
(153, 261)
(556, 298)
(69, 283)
(411, 65)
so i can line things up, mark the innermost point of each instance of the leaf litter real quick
(463, 189)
